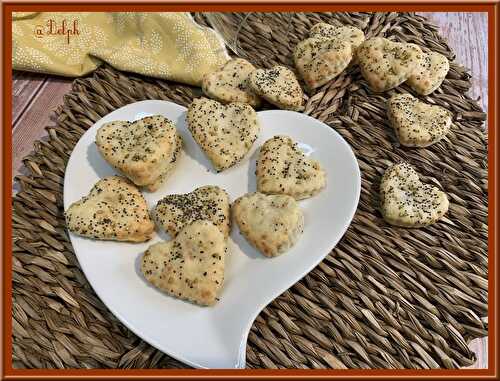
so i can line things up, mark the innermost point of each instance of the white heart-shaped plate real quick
(213, 337)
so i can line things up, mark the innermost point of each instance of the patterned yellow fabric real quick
(165, 45)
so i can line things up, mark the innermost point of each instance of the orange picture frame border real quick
(490, 7)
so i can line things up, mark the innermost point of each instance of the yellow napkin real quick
(166, 45)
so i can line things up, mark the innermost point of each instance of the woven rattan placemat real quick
(385, 297)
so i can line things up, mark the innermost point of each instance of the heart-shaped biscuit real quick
(229, 84)
(283, 169)
(174, 159)
(407, 202)
(190, 266)
(386, 64)
(271, 223)
(326, 53)
(278, 86)
(113, 210)
(430, 74)
(144, 151)
(350, 34)
(224, 132)
(417, 124)
(319, 60)
(209, 202)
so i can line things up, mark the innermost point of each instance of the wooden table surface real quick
(35, 96)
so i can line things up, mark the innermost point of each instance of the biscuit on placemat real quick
(319, 60)
(283, 169)
(113, 210)
(229, 83)
(417, 124)
(190, 266)
(348, 33)
(386, 64)
(406, 201)
(209, 202)
(224, 132)
(326, 53)
(430, 74)
(271, 223)
(278, 86)
(142, 150)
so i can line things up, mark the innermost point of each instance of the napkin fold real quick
(169, 45)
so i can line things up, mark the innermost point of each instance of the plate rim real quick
(271, 297)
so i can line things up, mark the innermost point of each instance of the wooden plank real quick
(31, 123)
(480, 348)
(467, 35)
(25, 86)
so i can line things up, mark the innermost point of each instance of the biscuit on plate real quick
(190, 266)
(386, 64)
(174, 159)
(209, 202)
(224, 132)
(144, 151)
(416, 123)
(271, 223)
(113, 210)
(278, 86)
(430, 74)
(406, 201)
(229, 83)
(282, 168)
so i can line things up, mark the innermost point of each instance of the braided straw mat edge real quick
(385, 297)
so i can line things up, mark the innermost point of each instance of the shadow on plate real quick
(98, 164)
(252, 178)
(247, 249)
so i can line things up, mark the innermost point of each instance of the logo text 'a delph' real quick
(64, 28)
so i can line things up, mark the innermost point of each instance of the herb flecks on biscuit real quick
(224, 132)
(190, 266)
(407, 202)
(282, 168)
(114, 209)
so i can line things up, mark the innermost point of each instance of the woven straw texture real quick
(385, 297)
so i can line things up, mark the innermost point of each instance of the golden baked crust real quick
(174, 159)
(141, 150)
(190, 266)
(326, 53)
(386, 64)
(406, 201)
(229, 83)
(350, 34)
(319, 60)
(283, 169)
(224, 132)
(271, 223)
(416, 123)
(113, 210)
(209, 202)
(430, 74)
(278, 86)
